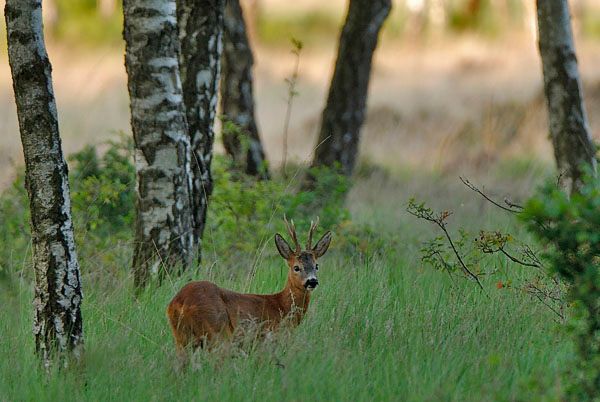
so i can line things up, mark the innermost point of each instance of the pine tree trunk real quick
(163, 229)
(345, 110)
(58, 325)
(237, 95)
(569, 131)
(201, 34)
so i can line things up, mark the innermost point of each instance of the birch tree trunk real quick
(200, 24)
(345, 110)
(569, 131)
(163, 229)
(58, 326)
(237, 95)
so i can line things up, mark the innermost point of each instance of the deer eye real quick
(297, 268)
(317, 267)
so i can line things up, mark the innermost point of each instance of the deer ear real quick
(322, 245)
(284, 249)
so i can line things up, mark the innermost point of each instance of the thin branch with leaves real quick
(420, 211)
(545, 288)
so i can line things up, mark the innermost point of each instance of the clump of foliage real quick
(570, 226)
(435, 251)
(477, 256)
(102, 191)
(244, 212)
(102, 194)
(568, 269)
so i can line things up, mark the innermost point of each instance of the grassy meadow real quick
(381, 325)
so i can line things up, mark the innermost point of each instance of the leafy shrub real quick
(102, 190)
(570, 226)
(243, 214)
(478, 256)
(102, 193)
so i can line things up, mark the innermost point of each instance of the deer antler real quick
(313, 227)
(291, 228)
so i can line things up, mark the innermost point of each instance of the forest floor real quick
(382, 327)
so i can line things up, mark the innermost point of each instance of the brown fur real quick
(202, 312)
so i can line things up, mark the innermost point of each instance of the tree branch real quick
(427, 214)
(512, 207)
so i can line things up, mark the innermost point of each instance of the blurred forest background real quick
(456, 83)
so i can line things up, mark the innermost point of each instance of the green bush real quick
(488, 253)
(102, 190)
(570, 226)
(243, 214)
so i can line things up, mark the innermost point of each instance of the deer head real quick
(302, 264)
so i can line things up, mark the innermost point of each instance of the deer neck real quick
(294, 300)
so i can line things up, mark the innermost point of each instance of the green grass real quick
(381, 325)
(378, 329)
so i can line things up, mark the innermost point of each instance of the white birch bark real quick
(200, 25)
(164, 235)
(569, 130)
(57, 326)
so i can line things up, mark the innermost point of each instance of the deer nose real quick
(311, 283)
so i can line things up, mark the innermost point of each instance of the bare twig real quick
(511, 204)
(518, 261)
(542, 296)
(529, 253)
(548, 305)
(512, 207)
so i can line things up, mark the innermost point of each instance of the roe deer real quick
(202, 311)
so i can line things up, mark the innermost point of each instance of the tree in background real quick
(163, 228)
(58, 325)
(200, 26)
(569, 131)
(241, 141)
(345, 110)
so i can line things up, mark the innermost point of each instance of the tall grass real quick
(381, 328)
